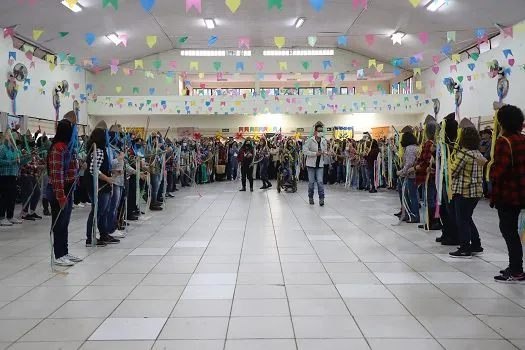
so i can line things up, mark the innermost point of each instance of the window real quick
(331, 91)
(406, 87)
(215, 53)
(310, 91)
(347, 91)
(202, 92)
(297, 52)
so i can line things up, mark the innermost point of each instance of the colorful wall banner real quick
(343, 132)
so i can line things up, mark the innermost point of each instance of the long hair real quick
(97, 137)
(63, 134)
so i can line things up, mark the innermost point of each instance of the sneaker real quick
(505, 272)
(242, 190)
(477, 251)
(74, 258)
(264, 187)
(109, 240)
(5, 222)
(460, 254)
(99, 243)
(80, 205)
(28, 217)
(510, 278)
(155, 208)
(119, 234)
(35, 216)
(15, 221)
(398, 214)
(372, 191)
(64, 261)
(269, 185)
(311, 200)
(321, 202)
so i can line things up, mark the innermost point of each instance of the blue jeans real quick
(263, 173)
(104, 199)
(61, 221)
(155, 185)
(111, 218)
(315, 175)
(468, 233)
(411, 196)
(431, 193)
(364, 176)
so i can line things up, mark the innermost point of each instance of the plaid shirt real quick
(467, 173)
(423, 162)
(59, 179)
(508, 172)
(8, 164)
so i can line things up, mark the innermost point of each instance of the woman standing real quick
(467, 189)
(371, 157)
(245, 157)
(10, 158)
(264, 156)
(233, 152)
(62, 167)
(99, 160)
(408, 175)
(508, 188)
(315, 150)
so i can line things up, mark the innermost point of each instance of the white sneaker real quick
(119, 234)
(80, 205)
(5, 222)
(74, 258)
(64, 261)
(15, 221)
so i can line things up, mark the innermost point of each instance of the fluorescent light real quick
(299, 23)
(114, 38)
(74, 8)
(210, 23)
(435, 5)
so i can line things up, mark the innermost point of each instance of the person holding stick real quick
(315, 149)
(62, 167)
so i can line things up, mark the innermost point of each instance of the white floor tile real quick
(129, 329)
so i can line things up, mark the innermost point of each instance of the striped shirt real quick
(467, 173)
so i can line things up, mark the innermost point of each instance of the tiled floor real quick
(253, 271)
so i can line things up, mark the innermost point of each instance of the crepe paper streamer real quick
(451, 36)
(423, 37)
(279, 41)
(217, 66)
(113, 3)
(244, 42)
(37, 33)
(326, 64)
(196, 4)
(90, 38)
(212, 40)
(147, 5)
(342, 40)
(233, 5)
(370, 38)
(415, 3)
(276, 3)
(194, 65)
(151, 40)
(317, 5)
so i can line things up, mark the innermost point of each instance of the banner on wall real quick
(380, 132)
(185, 132)
(343, 132)
(135, 131)
(259, 129)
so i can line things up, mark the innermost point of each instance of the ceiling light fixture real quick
(74, 8)
(299, 22)
(435, 5)
(210, 23)
(114, 38)
(397, 36)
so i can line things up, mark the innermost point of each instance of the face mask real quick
(320, 133)
(184, 145)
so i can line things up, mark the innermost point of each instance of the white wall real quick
(210, 124)
(480, 93)
(32, 102)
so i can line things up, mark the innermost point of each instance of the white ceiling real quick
(169, 21)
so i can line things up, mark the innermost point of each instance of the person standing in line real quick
(10, 161)
(508, 188)
(408, 173)
(264, 154)
(245, 157)
(371, 157)
(62, 168)
(315, 150)
(233, 152)
(467, 190)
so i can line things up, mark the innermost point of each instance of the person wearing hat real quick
(62, 168)
(315, 149)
